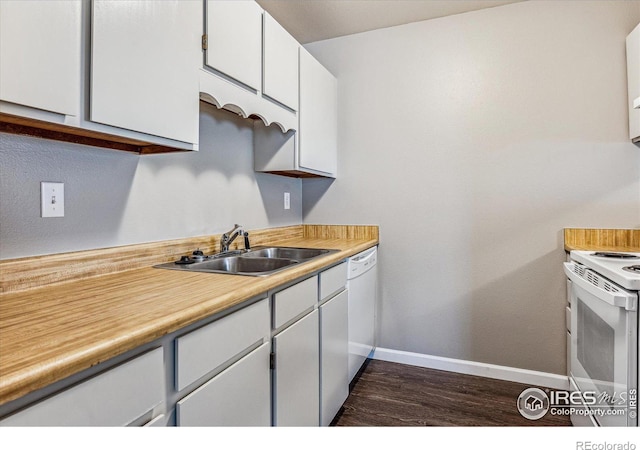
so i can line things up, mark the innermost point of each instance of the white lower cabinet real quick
(281, 360)
(227, 362)
(334, 357)
(296, 381)
(310, 373)
(116, 397)
(213, 346)
(238, 396)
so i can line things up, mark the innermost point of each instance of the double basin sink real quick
(260, 261)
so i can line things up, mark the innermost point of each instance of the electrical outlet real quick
(287, 200)
(52, 199)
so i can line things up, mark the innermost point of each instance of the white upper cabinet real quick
(234, 76)
(318, 116)
(280, 72)
(145, 59)
(313, 150)
(234, 40)
(40, 59)
(633, 79)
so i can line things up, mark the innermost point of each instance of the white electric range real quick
(604, 335)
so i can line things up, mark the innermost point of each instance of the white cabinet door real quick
(633, 80)
(296, 373)
(314, 148)
(234, 40)
(280, 71)
(238, 396)
(145, 58)
(40, 54)
(113, 398)
(318, 116)
(334, 357)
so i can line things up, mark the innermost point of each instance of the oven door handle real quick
(622, 299)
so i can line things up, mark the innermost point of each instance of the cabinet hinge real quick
(272, 361)
(204, 42)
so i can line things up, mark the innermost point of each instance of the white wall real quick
(116, 198)
(473, 140)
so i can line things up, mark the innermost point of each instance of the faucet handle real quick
(235, 227)
(247, 245)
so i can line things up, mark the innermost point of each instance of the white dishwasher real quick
(361, 284)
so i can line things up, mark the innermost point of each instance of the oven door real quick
(604, 345)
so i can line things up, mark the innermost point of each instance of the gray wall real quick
(115, 198)
(473, 140)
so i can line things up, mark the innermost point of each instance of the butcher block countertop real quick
(50, 332)
(601, 239)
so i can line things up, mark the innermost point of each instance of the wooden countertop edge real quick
(48, 371)
(602, 248)
(602, 239)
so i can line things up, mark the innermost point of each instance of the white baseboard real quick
(524, 376)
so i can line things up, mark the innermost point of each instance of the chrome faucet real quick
(230, 236)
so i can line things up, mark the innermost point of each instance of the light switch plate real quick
(51, 199)
(287, 200)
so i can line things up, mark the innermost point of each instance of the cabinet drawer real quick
(293, 301)
(332, 281)
(113, 398)
(207, 348)
(239, 396)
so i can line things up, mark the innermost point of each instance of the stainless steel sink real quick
(241, 265)
(260, 261)
(299, 254)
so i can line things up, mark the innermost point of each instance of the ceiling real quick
(316, 20)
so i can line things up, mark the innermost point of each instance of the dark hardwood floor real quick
(391, 394)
